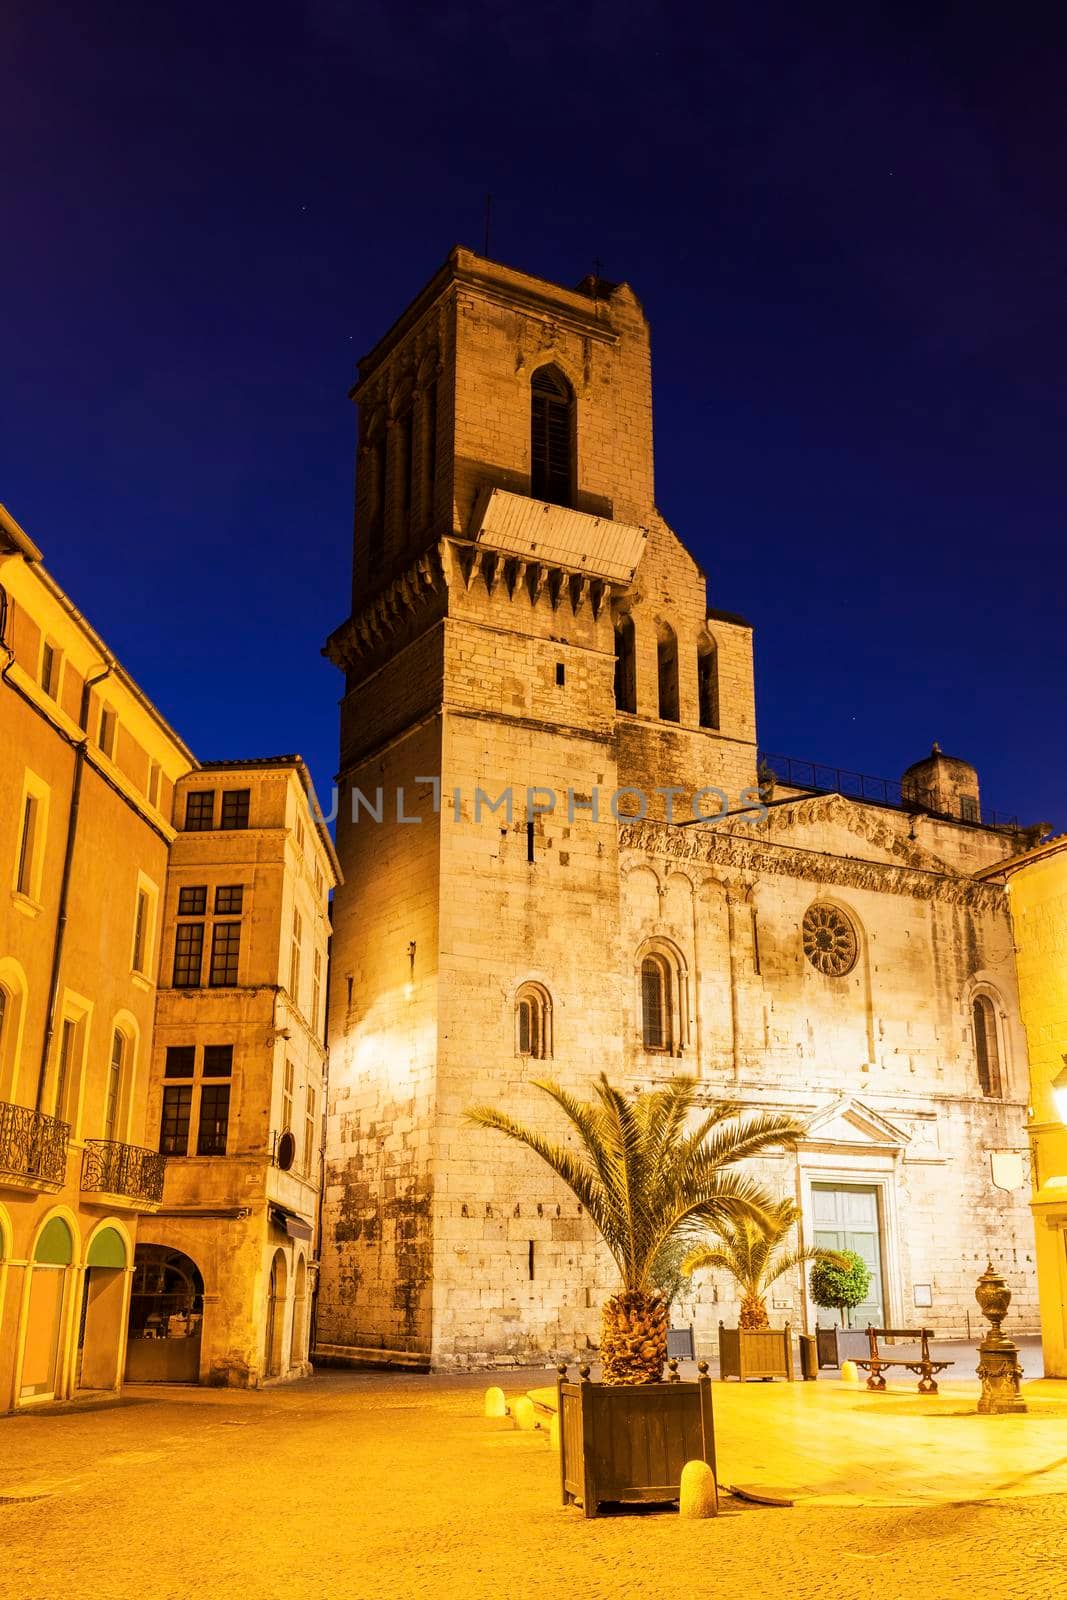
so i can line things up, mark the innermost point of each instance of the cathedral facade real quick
(560, 858)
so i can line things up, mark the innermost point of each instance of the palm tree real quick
(646, 1178)
(752, 1250)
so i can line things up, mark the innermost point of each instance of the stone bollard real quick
(524, 1414)
(495, 1404)
(850, 1373)
(699, 1493)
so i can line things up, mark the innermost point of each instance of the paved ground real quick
(357, 1485)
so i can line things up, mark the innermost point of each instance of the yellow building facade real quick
(87, 780)
(1036, 882)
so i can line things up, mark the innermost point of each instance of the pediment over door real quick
(849, 1124)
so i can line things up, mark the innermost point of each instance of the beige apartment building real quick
(542, 719)
(225, 1267)
(87, 778)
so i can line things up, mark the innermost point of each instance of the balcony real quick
(33, 1150)
(122, 1175)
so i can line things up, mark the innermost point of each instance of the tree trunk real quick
(633, 1337)
(754, 1312)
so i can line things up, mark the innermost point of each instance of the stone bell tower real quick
(527, 638)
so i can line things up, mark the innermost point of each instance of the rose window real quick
(829, 940)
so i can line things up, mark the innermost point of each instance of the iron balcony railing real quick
(112, 1168)
(824, 779)
(32, 1145)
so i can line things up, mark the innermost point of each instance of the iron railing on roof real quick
(823, 779)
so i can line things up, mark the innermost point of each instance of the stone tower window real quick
(655, 1003)
(533, 1022)
(667, 664)
(625, 665)
(372, 464)
(708, 681)
(986, 1049)
(551, 437)
(830, 942)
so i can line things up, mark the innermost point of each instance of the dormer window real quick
(551, 437)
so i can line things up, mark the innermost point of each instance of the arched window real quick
(533, 1022)
(708, 681)
(663, 999)
(428, 407)
(986, 1048)
(551, 437)
(402, 468)
(625, 665)
(667, 663)
(372, 465)
(655, 1003)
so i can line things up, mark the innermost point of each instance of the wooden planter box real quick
(840, 1344)
(756, 1353)
(628, 1444)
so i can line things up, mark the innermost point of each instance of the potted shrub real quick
(645, 1177)
(754, 1252)
(840, 1284)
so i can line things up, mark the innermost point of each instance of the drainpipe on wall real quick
(64, 887)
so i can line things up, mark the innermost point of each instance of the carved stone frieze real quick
(721, 847)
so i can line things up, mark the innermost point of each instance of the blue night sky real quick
(846, 225)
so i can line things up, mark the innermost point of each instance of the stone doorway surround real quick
(847, 1145)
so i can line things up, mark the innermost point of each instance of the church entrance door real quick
(846, 1218)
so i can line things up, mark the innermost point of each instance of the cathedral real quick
(562, 856)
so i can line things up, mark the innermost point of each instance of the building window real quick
(663, 1000)
(625, 665)
(401, 438)
(218, 1060)
(235, 808)
(214, 1119)
(174, 1124)
(655, 1003)
(294, 959)
(199, 810)
(51, 661)
(309, 1130)
(667, 668)
(225, 949)
(109, 726)
(316, 991)
(533, 1022)
(986, 1048)
(142, 927)
(188, 955)
(969, 808)
(551, 437)
(180, 1061)
(372, 466)
(229, 899)
(68, 1067)
(25, 873)
(708, 681)
(429, 449)
(192, 901)
(288, 1078)
(155, 773)
(113, 1096)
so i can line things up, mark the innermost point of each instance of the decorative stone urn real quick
(998, 1356)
